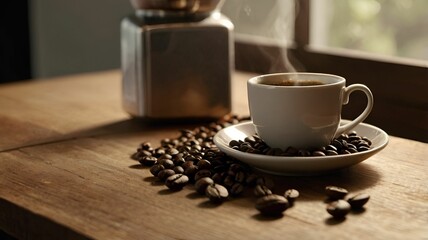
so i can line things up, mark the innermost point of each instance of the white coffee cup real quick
(301, 116)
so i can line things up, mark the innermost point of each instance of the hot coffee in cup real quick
(301, 110)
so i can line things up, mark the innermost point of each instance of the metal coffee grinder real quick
(177, 58)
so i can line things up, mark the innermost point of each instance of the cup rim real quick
(253, 80)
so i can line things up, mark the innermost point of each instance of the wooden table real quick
(66, 173)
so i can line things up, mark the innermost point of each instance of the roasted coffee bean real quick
(352, 133)
(261, 190)
(330, 152)
(240, 177)
(363, 148)
(187, 164)
(178, 169)
(272, 205)
(190, 171)
(216, 193)
(345, 151)
(251, 179)
(235, 167)
(367, 141)
(165, 156)
(167, 163)
(303, 153)
(291, 195)
(159, 152)
(204, 164)
(155, 169)
(234, 143)
(202, 173)
(331, 147)
(148, 160)
(145, 153)
(179, 161)
(338, 209)
(218, 177)
(337, 144)
(202, 184)
(351, 146)
(318, 153)
(359, 200)
(229, 181)
(172, 151)
(236, 189)
(353, 138)
(164, 174)
(146, 145)
(334, 192)
(176, 181)
(265, 181)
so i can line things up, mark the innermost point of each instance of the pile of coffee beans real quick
(338, 207)
(344, 144)
(193, 159)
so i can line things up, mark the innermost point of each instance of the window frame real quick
(399, 86)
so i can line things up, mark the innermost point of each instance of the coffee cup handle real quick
(345, 99)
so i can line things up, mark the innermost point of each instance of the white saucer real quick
(298, 165)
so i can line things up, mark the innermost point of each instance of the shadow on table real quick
(355, 179)
(129, 125)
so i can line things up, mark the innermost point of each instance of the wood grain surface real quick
(66, 173)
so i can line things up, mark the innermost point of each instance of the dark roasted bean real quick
(216, 193)
(331, 147)
(204, 164)
(236, 189)
(303, 153)
(234, 143)
(344, 151)
(179, 161)
(155, 169)
(318, 153)
(178, 169)
(363, 148)
(202, 184)
(338, 209)
(168, 163)
(187, 164)
(202, 173)
(240, 177)
(172, 151)
(353, 138)
(291, 195)
(229, 181)
(190, 171)
(146, 145)
(334, 192)
(265, 181)
(176, 181)
(367, 140)
(148, 160)
(359, 200)
(291, 151)
(272, 205)
(164, 174)
(261, 190)
(352, 133)
(251, 179)
(218, 177)
(337, 144)
(330, 152)
(165, 156)
(159, 152)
